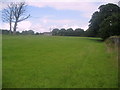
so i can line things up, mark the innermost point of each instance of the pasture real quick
(57, 62)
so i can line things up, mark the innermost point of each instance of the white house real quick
(47, 33)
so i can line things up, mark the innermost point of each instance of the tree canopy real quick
(100, 21)
(68, 32)
(110, 26)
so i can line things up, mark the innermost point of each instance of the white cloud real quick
(82, 6)
(70, 26)
(71, 0)
(60, 4)
(24, 25)
(3, 5)
(74, 26)
(45, 21)
(39, 28)
(85, 27)
(4, 26)
(87, 7)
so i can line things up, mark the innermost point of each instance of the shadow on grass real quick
(95, 39)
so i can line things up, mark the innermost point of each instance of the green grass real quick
(0, 61)
(57, 62)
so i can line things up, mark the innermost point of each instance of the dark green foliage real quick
(79, 32)
(62, 32)
(109, 9)
(110, 26)
(18, 33)
(94, 24)
(89, 33)
(5, 31)
(100, 21)
(30, 32)
(37, 33)
(55, 31)
(68, 32)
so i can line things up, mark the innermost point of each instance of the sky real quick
(50, 14)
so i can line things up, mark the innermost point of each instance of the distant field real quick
(57, 62)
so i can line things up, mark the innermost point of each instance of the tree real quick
(18, 33)
(29, 32)
(110, 26)
(69, 32)
(94, 24)
(16, 12)
(37, 33)
(62, 32)
(99, 16)
(19, 12)
(55, 31)
(7, 16)
(4, 31)
(78, 32)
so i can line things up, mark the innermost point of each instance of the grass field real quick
(0, 61)
(57, 62)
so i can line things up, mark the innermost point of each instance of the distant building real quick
(47, 33)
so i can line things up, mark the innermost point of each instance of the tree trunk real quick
(10, 22)
(10, 28)
(15, 27)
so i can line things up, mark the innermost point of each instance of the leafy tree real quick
(89, 33)
(18, 33)
(4, 31)
(78, 32)
(94, 24)
(55, 31)
(110, 26)
(37, 33)
(99, 16)
(69, 32)
(29, 32)
(62, 32)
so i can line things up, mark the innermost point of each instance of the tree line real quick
(68, 32)
(26, 32)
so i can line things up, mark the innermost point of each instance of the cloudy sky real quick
(49, 14)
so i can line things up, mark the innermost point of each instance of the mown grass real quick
(57, 62)
(0, 61)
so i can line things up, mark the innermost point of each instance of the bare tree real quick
(19, 13)
(15, 12)
(7, 15)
